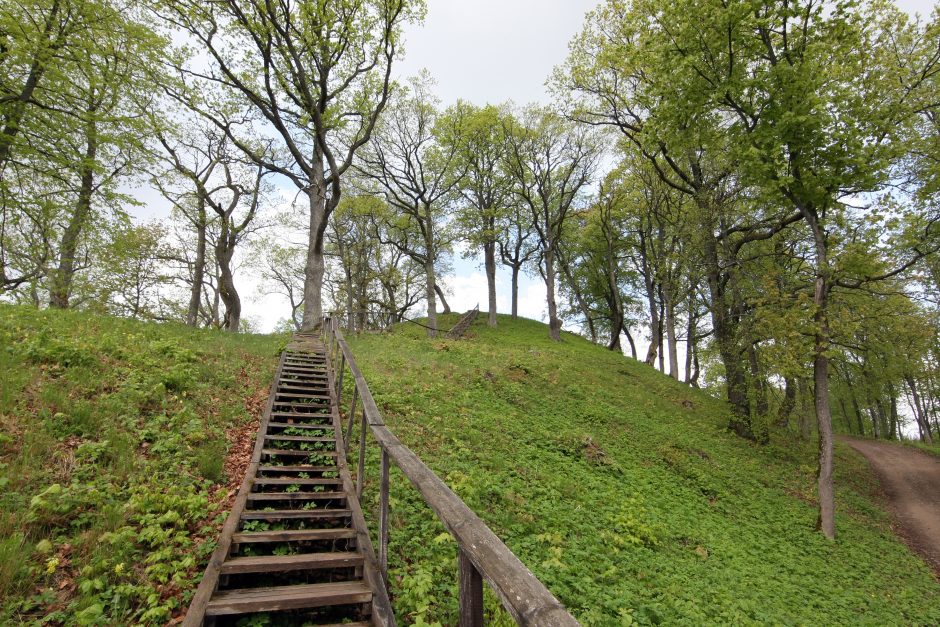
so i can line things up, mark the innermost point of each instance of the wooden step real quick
(305, 374)
(297, 438)
(319, 384)
(295, 496)
(292, 535)
(283, 452)
(287, 425)
(296, 468)
(290, 384)
(279, 514)
(325, 405)
(298, 481)
(298, 414)
(320, 398)
(246, 600)
(284, 563)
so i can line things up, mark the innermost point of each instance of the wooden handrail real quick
(482, 555)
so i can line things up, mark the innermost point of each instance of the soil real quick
(911, 480)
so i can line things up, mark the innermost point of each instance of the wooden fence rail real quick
(481, 555)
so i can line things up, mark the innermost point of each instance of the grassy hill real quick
(114, 479)
(622, 491)
(618, 487)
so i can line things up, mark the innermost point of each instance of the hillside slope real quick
(114, 479)
(623, 492)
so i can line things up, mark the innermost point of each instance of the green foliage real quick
(622, 491)
(117, 441)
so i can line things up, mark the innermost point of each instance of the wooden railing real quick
(481, 555)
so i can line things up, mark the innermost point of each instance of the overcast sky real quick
(493, 50)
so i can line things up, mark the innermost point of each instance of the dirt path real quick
(911, 479)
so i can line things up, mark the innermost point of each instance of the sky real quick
(486, 51)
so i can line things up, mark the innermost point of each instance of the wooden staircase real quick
(296, 542)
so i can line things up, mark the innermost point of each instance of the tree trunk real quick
(845, 415)
(350, 292)
(919, 414)
(653, 349)
(626, 332)
(760, 393)
(690, 340)
(224, 250)
(660, 332)
(726, 341)
(216, 320)
(199, 268)
(804, 410)
(440, 294)
(431, 297)
(315, 266)
(554, 324)
(489, 261)
(615, 301)
(515, 292)
(670, 319)
(789, 402)
(61, 288)
(826, 489)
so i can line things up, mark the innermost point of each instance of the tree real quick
(73, 75)
(599, 247)
(130, 277)
(517, 248)
(193, 159)
(628, 71)
(485, 190)
(317, 79)
(550, 161)
(818, 99)
(418, 174)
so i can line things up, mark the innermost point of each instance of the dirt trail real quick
(911, 479)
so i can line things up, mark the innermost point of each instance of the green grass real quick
(618, 487)
(930, 449)
(623, 492)
(112, 440)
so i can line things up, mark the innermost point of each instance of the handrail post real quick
(362, 458)
(352, 418)
(383, 517)
(471, 592)
(339, 386)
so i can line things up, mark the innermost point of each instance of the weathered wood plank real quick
(295, 496)
(285, 425)
(292, 535)
(288, 563)
(288, 452)
(279, 514)
(242, 601)
(471, 593)
(296, 481)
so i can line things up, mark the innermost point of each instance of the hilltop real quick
(620, 488)
(624, 492)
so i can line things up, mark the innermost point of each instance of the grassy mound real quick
(623, 492)
(113, 468)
